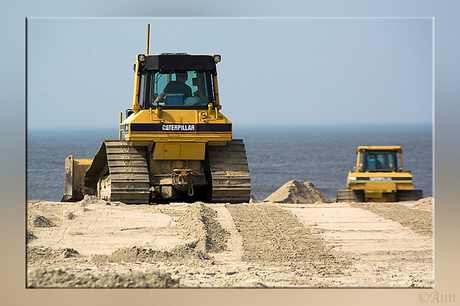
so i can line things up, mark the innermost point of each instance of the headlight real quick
(217, 58)
(141, 58)
(352, 178)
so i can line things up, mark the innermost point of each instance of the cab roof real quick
(380, 148)
(179, 61)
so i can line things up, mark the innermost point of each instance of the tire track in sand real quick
(272, 234)
(234, 251)
(384, 252)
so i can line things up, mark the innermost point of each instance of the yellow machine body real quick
(178, 134)
(379, 177)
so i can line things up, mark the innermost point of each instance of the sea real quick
(276, 155)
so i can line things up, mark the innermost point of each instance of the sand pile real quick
(426, 204)
(90, 200)
(42, 221)
(39, 254)
(55, 278)
(139, 254)
(298, 193)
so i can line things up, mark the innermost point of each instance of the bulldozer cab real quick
(177, 81)
(375, 159)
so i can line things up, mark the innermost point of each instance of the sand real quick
(296, 238)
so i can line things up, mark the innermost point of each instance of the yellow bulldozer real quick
(378, 177)
(177, 144)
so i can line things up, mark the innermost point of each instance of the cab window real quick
(380, 161)
(189, 89)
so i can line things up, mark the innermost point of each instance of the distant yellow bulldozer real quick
(378, 177)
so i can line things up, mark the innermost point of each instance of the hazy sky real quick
(274, 71)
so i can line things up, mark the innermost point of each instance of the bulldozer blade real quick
(74, 181)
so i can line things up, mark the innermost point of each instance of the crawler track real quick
(348, 195)
(409, 195)
(230, 172)
(119, 172)
(124, 172)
